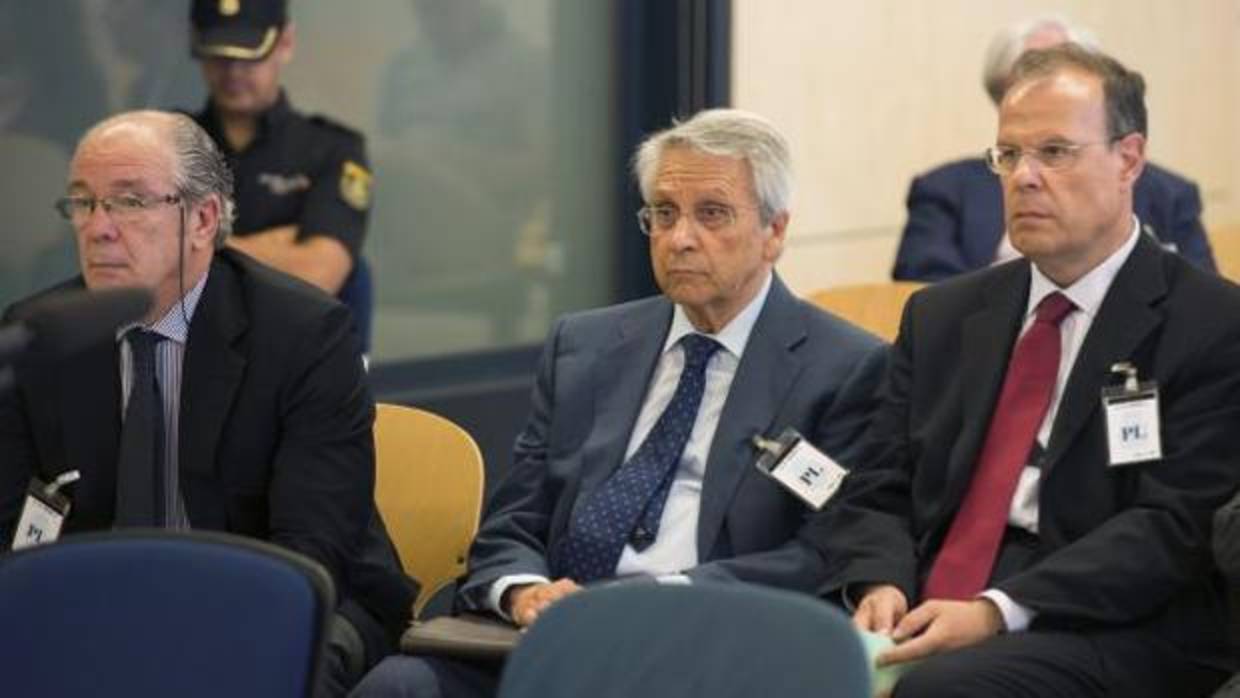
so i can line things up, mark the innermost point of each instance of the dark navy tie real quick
(140, 465)
(627, 507)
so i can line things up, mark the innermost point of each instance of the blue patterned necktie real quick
(140, 465)
(627, 507)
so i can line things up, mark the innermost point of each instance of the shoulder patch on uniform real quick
(355, 185)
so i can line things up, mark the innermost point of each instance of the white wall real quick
(871, 93)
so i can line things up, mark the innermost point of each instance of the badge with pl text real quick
(44, 513)
(799, 467)
(1134, 432)
(355, 185)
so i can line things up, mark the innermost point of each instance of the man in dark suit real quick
(955, 211)
(237, 404)
(1003, 532)
(716, 191)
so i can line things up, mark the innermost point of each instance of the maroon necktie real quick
(964, 563)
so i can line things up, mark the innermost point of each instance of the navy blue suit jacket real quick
(955, 219)
(802, 368)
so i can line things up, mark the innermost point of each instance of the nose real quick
(682, 234)
(1027, 173)
(98, 225)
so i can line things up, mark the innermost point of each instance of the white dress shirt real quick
(675, 547)
(1087, 294)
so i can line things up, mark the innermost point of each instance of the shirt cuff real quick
(674, 579)
(1016, 618)
(495, 597)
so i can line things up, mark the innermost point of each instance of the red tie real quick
(963, 565)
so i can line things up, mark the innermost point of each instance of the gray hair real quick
(1007, 46)
(727, 133)
(202, 171)
(199, 168)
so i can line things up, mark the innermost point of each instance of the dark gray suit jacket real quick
(801, 368)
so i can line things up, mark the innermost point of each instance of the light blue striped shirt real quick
(173, 327)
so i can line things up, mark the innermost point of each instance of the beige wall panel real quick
(871, 93)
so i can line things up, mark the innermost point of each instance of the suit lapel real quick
(212, 371)
(1124, 319)
(766, 372)
(90, 399)
(621, 379)
(987, 338)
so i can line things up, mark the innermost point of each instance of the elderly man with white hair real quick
(638, 455)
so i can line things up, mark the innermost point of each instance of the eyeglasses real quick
(1055, 155)
(663, 217)
(122, 208)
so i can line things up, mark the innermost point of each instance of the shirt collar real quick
(734, 336)
(1089, 290)
(174, 324)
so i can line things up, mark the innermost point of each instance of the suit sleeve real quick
(930, 248)
(1227, 540)
(17, 454)
(800, 563)
(515, 528)
(323, 474)
(868, 538)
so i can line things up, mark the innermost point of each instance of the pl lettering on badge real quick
(799, 467)
(1134, 433)
(44, 513)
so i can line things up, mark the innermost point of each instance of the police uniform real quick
(301, 170)
(306, 171)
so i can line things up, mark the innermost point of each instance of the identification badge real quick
(1134, 433)
(799, 467)
(44, 512)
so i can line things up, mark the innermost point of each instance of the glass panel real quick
(490, 127)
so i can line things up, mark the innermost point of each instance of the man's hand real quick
(527, 601)
(936, 626)
(881, 607)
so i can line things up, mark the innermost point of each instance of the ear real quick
(286, 44)
(1131, 150)
(773, 245)
(202, 222)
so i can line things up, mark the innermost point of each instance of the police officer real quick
(302, 182)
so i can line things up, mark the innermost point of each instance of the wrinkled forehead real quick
(126, 155)
(683, 167)
(1067, 103)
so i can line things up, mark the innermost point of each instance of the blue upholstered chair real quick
(652, 641)
(160, 614)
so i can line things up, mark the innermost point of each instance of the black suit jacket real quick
(801, 368)
(275, 431)
(1120, 548)
(955, 219)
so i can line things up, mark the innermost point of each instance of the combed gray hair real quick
(199, 168)
(727, 133)
(1005, 48)
(202, 171)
